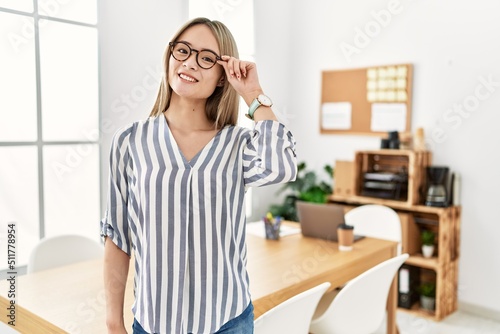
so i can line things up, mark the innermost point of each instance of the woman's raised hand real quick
(242, 75)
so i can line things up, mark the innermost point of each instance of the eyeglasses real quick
(206, 59)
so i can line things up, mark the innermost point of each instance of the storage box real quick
(344, 178)
(401, 175)
(410, 234)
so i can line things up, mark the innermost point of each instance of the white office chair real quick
(359, 307)
(61, 250)
(293, 316)
(376, 221)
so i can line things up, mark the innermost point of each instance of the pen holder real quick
(272, 230)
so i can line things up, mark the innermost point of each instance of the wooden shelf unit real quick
(415, 217)
(412, 163)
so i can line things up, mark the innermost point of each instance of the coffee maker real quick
(437, 184)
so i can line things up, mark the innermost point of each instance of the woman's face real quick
(186, 77)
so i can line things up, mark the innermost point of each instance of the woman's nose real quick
(191, 61)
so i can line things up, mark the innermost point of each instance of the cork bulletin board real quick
(366, 101)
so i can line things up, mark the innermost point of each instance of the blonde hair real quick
(222, 106)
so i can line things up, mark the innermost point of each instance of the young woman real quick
(177, 186)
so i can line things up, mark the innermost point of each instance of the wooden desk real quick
(72, 297)
(280, 269)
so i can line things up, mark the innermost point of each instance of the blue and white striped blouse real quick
(185, 220)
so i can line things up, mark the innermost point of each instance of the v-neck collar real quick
(189, 163)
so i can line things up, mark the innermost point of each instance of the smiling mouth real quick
(187, 78)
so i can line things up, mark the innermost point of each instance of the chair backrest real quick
(293, 316)
(359, 307)
(376, 221)
(60, 250)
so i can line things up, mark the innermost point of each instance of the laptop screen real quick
(321, 220)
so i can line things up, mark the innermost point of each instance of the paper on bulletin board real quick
(336, 115)
(388, 117)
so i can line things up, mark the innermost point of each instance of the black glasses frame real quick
(191, 50)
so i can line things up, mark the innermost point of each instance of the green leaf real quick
(427, 289)
(428, 237)
(306, 187)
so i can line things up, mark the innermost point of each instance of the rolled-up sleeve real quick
(269, 156)
(115, 223)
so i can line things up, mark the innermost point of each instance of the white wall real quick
(452, 44)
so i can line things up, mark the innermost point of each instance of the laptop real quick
(321, 220)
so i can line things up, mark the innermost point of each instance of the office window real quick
(68, 66)
(19, 199)
(238, 16)
(49, 128)
(82, 11)
(21, 5)
(18, 80)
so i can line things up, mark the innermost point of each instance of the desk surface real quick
(72, 297)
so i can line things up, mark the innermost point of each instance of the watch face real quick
(265, 100)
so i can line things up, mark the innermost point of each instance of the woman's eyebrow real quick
(191, 45)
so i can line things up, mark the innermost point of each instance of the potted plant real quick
(306, 187)
(427, 291)
(428, 237)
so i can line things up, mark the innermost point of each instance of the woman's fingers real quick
(242, 75)
(236, 67)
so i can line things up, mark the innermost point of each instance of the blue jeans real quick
(242, 324)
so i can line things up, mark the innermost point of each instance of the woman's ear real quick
(222, 80)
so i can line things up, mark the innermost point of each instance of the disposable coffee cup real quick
(345, 235)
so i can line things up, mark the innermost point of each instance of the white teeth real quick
(185, 77)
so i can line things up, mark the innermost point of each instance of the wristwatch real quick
(261, 100)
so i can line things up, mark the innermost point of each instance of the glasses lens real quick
(181, 51)
(207, 59)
